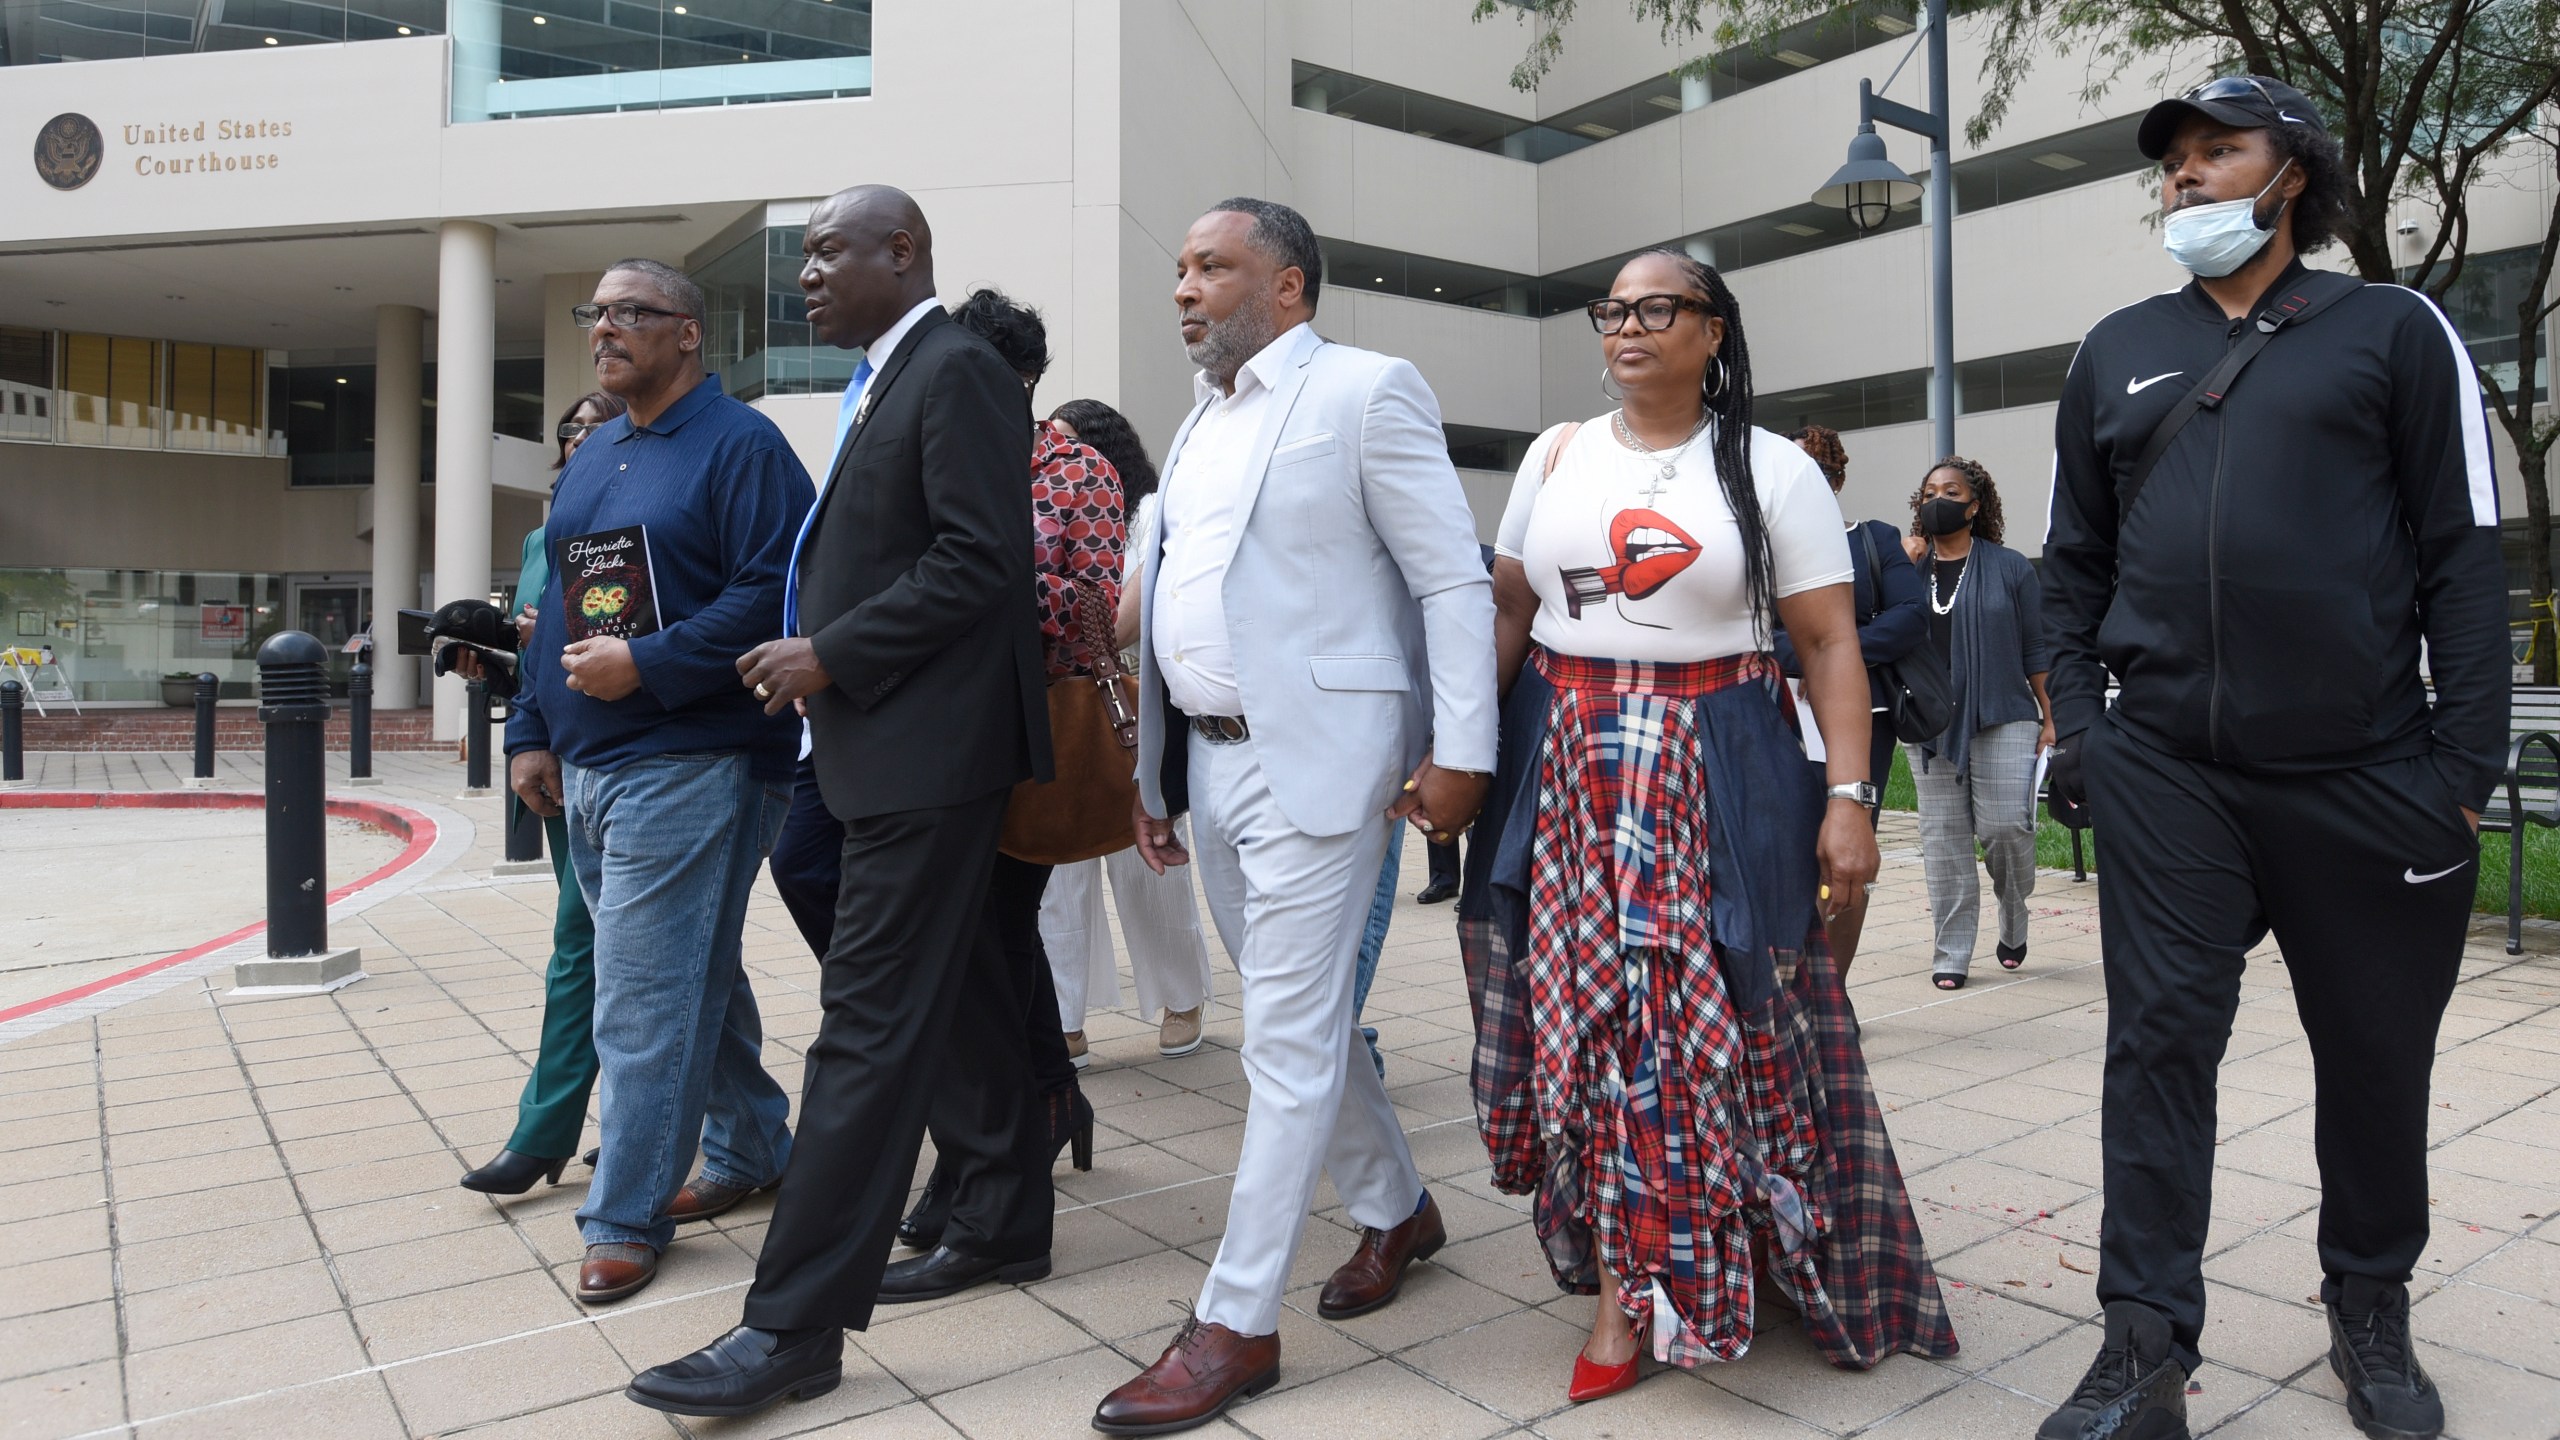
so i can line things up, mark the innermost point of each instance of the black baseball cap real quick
(2243, 102)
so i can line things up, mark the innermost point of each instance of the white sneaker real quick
(1180, 1033)
(1076, 1055)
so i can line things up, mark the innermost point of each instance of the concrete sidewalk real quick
(239, 1218)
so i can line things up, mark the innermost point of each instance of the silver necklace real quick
(1964, 567)
(1668, 461)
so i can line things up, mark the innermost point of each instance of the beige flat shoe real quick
(1076, 1054)
(1180, 1033)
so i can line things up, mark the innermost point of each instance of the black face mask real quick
(1943, 516)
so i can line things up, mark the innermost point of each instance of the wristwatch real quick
(1861, 791)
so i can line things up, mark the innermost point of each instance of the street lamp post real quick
(1869, 186)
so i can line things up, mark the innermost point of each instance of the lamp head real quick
(1869, 185)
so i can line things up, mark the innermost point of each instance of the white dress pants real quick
(1298, 903)
(1159, 918)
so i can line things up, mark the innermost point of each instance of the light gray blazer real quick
(1358, 608)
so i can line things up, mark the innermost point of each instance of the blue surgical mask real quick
(2214, 240)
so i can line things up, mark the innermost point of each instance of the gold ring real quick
(1442, 837)
(763, 691)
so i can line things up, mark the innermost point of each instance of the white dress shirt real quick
(1200, 521)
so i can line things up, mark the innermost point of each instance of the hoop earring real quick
(1711, 393)
(1605, 383)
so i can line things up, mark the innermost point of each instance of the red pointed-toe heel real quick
(1593, 1380)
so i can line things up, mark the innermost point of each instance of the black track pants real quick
(2365, 877)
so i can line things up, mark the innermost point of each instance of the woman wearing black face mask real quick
(1976, 781)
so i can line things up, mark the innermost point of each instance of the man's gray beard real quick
(1223, 348)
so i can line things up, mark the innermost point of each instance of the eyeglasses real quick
(623, 314)
(573, 430)
(2235, 87)
(1653, 312)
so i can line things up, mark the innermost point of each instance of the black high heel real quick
(1071, 1127)
(923, 1226)
(513, 1173)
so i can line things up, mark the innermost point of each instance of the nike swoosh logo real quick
(2413, 877)
(2136, 387)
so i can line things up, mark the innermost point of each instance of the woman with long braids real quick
(1976, 780)
(1664, 1057)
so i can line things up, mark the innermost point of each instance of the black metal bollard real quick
(293, 690)
(360, 722)
(524, 832)
(206, 688)
(13, 738)
(475, 736)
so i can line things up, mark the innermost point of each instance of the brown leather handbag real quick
(1093, 734)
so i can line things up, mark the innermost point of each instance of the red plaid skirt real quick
(1664, 1133)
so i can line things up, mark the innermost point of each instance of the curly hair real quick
(1730, 404)
(1986, 520)
(2323, 211)
(1015, 329)
(1116, 440)
(1823, 444)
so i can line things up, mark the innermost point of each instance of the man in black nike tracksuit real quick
(2272, 762)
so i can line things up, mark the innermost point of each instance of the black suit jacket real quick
(916, 587)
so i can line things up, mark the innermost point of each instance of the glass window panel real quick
(1476, 447)
(256, 24)
(561, 57)
(2059, 162)
(110, 391)
(26, 385)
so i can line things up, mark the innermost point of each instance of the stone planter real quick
(180, 693)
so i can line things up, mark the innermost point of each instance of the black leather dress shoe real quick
(1437, 892)
(743, 1372)
(948, 1272)
(512, 1173)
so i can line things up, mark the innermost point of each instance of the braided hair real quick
(1986, 518)
(1822, 443)
(1726, 391)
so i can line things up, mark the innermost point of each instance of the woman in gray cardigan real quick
(1977, 780)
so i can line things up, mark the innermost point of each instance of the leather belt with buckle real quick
(1222, 729)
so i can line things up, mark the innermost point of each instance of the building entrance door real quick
(332, 609)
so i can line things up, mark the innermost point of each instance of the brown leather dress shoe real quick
(614, 1271)
(1205, 1369)
(703, 1198)
(1375, 1271)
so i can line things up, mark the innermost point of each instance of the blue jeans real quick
(1382, 911)
(666, 850)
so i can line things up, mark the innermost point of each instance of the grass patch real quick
(2541, 852)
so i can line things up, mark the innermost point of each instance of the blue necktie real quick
(846, 409)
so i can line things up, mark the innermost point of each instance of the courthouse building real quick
(285, 284)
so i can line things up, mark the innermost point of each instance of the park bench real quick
(2530, 793)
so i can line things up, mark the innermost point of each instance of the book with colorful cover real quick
(606, 585)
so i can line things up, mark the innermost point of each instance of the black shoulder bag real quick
(1919, 695)
(2320, 290)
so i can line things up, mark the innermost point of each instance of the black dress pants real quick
(807, 858)
(910, 953)
(2365, 877)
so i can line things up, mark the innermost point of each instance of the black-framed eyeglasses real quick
(2234, 87)
(623, 314)
(578, 429)
(1654, 312)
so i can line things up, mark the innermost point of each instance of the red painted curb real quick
(397, 820)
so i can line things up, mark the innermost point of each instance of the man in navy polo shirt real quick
(674, 779)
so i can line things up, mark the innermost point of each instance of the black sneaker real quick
(2388, 1393)
(2135, 1389)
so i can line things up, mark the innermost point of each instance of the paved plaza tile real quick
(238, 1217)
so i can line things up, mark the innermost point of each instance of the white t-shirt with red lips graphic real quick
(1631, 566)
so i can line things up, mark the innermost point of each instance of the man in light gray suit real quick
(1316, 665)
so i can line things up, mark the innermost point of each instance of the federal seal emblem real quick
(68, 151)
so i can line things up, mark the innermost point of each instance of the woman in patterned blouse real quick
(1077, 536)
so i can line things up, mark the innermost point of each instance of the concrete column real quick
(466, 389)
(398, 342)
(568, 369)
